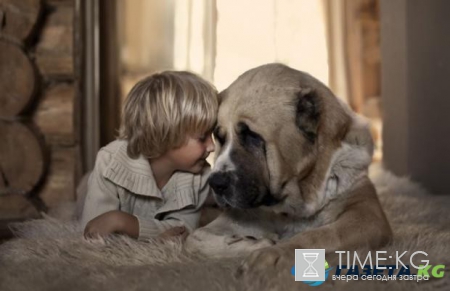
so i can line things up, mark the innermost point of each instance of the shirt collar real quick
(135, 175)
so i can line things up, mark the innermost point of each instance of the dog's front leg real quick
(362, 224)
(229, 236)
(211, 244)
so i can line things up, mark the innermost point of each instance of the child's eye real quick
(202, 138)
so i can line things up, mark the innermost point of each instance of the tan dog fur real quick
(324, 198)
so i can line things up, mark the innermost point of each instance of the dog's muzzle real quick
(220, 182)
(229, 191)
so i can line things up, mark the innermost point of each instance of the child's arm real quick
(188, 217)
(101, 215)
(113, 221)
(116, 221)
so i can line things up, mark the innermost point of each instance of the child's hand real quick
(175, 231)
(112, 222)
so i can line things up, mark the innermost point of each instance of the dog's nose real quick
(219, 182)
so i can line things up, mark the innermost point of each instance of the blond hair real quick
(164, 109)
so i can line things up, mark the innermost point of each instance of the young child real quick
(153, 179)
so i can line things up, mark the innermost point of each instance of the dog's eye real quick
(218, 136)
(250, 138)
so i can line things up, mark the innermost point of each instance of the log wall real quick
(38, 166)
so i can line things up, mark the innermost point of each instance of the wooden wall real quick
(416, 104)
(39, 140)
(363, 63)
(362, 22)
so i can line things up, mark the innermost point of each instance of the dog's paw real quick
(246, 244)
(269, 260)
(249, 240)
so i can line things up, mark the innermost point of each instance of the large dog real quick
(291, 170)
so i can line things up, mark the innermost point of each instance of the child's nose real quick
(210, 144)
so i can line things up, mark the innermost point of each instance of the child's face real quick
(191, 157)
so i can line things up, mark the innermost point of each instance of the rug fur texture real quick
(50, 253)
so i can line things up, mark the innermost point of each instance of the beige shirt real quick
(121, 183)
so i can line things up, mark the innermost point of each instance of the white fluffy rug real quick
(50, 254)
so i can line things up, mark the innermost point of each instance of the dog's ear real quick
(308, 113)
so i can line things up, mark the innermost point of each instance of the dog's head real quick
(277, 130)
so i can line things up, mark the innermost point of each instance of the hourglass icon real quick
(310, 271)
